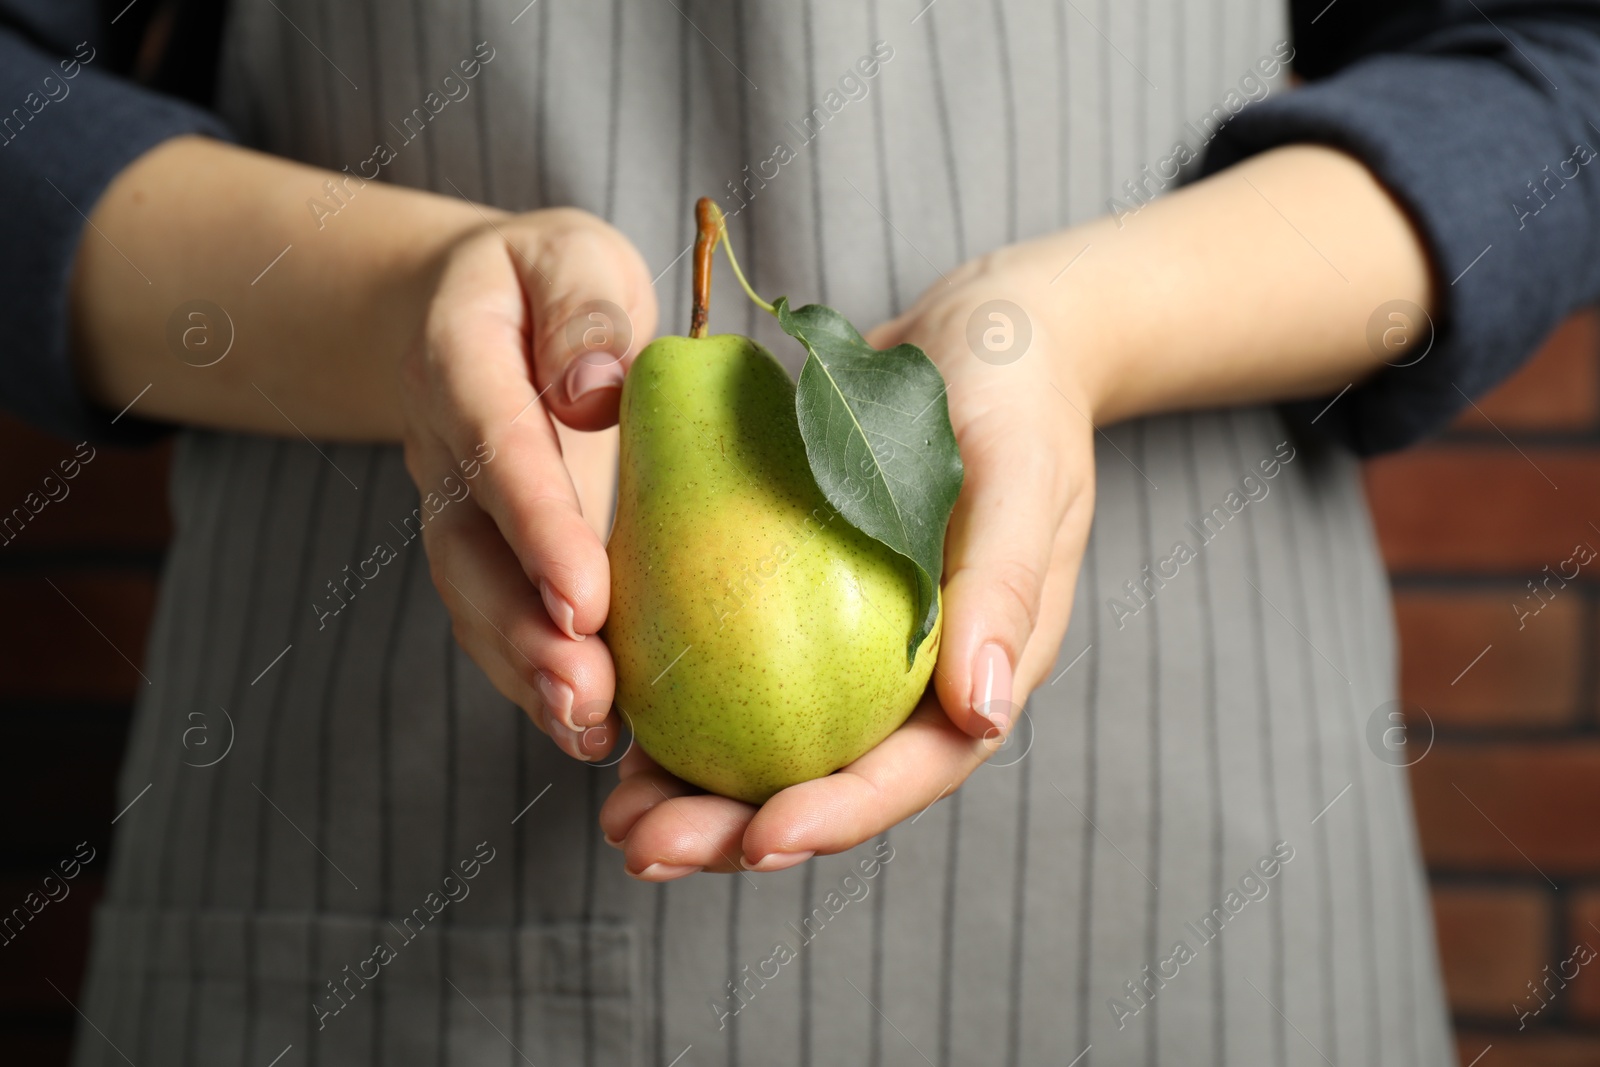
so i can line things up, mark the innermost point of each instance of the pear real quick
(759, 638)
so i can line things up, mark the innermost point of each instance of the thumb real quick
(591, 309)
(997, 557)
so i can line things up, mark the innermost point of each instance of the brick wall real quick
(1507, 798)
(65, 692)
(77, 586)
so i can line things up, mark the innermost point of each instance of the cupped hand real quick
(1021, 415)
(530, 329)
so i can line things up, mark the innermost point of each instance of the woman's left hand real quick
(1022, 419)
(1158, 318)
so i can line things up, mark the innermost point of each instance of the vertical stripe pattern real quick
(1096, 895)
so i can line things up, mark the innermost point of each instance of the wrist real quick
(408, 237)
(323, 300)
(412, 237)
(1059, 286)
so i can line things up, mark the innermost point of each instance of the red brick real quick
(1531, 675)
(48, 650)
(1558, 389)
(1491, 942)
(1526, 1050)
(1535, 805)
(118, 500)
(1483, 508)
(1583, 927)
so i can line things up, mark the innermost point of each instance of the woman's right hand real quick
(530, 328)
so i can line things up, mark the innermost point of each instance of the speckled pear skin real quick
(759, 638)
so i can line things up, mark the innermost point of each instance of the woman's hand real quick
(1256, 284)
(1012, 552)
(1021, 415)
(526, 338)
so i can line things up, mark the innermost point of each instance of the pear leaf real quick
(877, 434)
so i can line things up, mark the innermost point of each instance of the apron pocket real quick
(204, 987)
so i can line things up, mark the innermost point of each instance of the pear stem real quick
(727, 246)
(708, 221)
(711, 228)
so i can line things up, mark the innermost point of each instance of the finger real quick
(1060, 585)
(1001, 540)
(888, 334)
(592, 307)
(456, 559)
(565, 740)
(643, 786)
(475, 387)
(503, 626)
(998, 552)
(591, 461)
(924, 761)
(483, 639)
(596, 742)
(682, 835)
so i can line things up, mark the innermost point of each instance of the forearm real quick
(319, 334)
(1253, 285)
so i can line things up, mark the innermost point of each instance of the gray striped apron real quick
(1187, 855)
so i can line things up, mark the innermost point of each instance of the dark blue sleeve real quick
(1479, 123)
(68, 126)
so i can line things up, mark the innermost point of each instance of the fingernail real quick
(561, 613)
(991, 686)
(664, 872)
(557, 697)
(591, 737)
(778, 861)
(598, 370)
(570, 742)
(613, 842)
(567, 740)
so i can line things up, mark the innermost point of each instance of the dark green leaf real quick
(878, 437)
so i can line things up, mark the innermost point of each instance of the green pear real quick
(759, 638)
